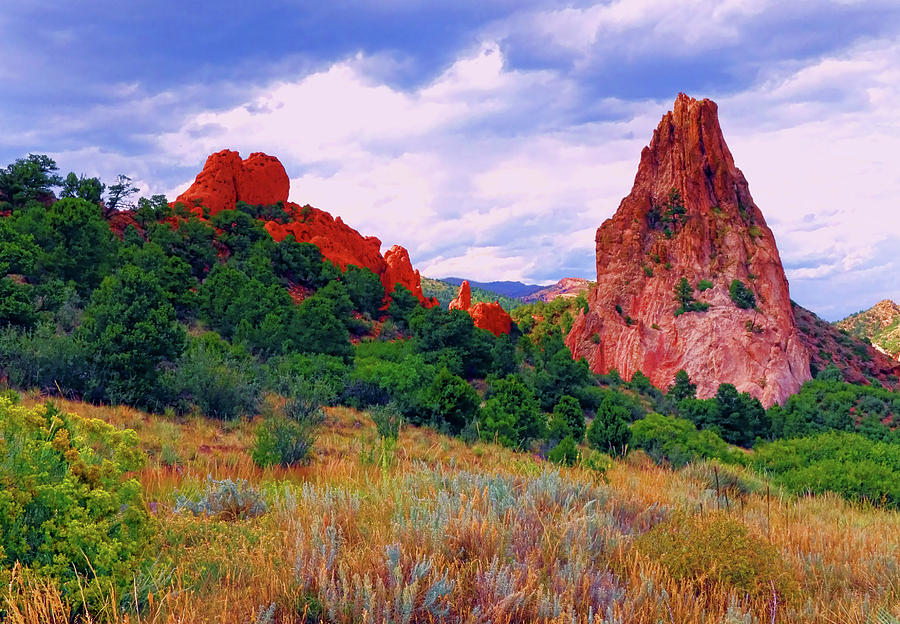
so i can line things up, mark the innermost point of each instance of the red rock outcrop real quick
(463, 299)
(690, 214)
(400, 271)
(226, 179)
(489, 316)
(262, 180)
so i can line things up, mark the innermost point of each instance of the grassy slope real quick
(859, 361)
(867, 325)
(445, 292)
(518, 539)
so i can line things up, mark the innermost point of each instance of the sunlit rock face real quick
(690, 215)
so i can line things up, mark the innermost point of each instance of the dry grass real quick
(441, 531)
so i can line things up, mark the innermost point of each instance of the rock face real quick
(262, 180)
(226, 179)
(463, 299)
(567, 287)
(690, 215)
(489, 316)
(880, 324)
(858, 361)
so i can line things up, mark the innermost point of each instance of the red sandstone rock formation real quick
(226, 179)
(690, 214)
(489, 316)
(400, 271)
(463, 299)
(262, 180)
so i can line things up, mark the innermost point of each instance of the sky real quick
(490, 139)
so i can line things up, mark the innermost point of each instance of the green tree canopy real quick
(130, 330)
(512, 414)
(75, 241)
(609, 430)
(88, 189)
(682, 388)
(28, 179)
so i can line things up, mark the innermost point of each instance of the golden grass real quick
(442, 531)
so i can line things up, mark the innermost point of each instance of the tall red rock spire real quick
(690, 215)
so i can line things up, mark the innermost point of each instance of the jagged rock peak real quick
(690, 215)
(463, 299)
(489, 316)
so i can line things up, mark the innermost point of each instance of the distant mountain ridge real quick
(516, 290)
(880, 325)
(568, 287)
(444, 292)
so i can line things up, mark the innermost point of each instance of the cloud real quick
(818, 147)
(464, 162)
(495, 148)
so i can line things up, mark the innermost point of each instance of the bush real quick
(714, 551)
(225, 500)
(453, 403)
(403, 304)
(609, 429)
(703, 285)
(735, 481)
(43, 359)
(678, 441)
(565, 453)
(67, 513)
(215, 378)
(375, 380)
(326, 373)
(742, 296)
(597, 462)
(130, 330)
(845, 463)
(298, 263)
(365, 289)
(512, 415)
(388, 420)
(285, 441)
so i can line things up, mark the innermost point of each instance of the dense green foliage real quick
(829, 405)
(846, 463)
(512, 415)
(677, 440)
(609, 430)
(67, 512)
(742, 296)
(129, 331)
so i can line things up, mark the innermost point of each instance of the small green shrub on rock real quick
(742, 296)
